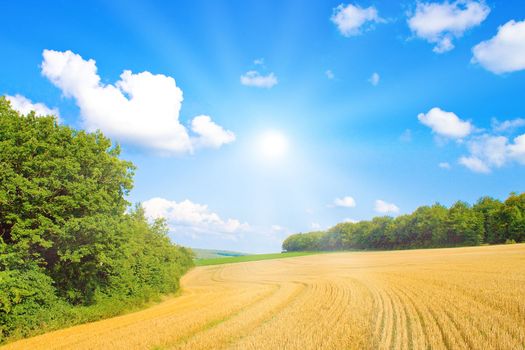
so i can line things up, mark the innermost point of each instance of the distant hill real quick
(212, 253)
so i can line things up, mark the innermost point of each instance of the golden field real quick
(461, 298)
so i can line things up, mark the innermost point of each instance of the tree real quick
(427, 226)
(464, 225)
(488, 221)
(66, 237)
(61, 191)
(513, 217)
(491, 210)
(345, 233)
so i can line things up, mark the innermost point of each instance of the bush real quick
(23, 294)
(70, 250)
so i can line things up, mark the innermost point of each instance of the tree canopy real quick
(67, 233)
(489, 221)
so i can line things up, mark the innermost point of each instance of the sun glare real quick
(273, 145)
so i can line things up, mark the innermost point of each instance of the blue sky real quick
(346, 110)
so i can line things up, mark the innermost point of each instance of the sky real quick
(252, 120)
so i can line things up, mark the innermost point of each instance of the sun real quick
(273, 145)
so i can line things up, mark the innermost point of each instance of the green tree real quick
(513, 217)
(61, 191)
(491, 210)
(488, 221)
(428, 226)
(345, 231)
(464, 225)
(65, 236)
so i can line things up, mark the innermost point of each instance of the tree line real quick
(488, 221)
(71, 247)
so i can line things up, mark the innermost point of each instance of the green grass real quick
(213, 253)
(255, 257)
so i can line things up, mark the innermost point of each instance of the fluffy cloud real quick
(440, 23)
(505, 52)
(24, 105)
(374, 79)
(507, 125)
(210, 134)
(140, 108)
(517, 149)
(486, 152)
(352, 19)
(491, 151)
(315, 226)
(384, 207)
(445, 124)
(350, 220)
(192, 218)
(256, 79)
(474, 164)
(345, 202)
(277, 228)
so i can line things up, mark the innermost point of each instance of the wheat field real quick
(461, 298)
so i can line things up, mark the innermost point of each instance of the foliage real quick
(489, 221)
(67, 237)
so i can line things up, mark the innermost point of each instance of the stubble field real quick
(463, 298)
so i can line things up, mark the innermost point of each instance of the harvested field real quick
(462, 298)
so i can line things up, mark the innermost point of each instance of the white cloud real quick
(140, 108)
(474, 164)
(440, 23)
(517, 149)
(484, 152)
(384, 207)
(352, 19)
(329, 74)
(192, 218)
(258, 61)
(505, 52)
(210, 134)
(445, 124)
(492, 150)
(24, 105)
(256, 79)
(374, 79)
(352, 221)
(345, 202)
(488, 152)
(507, 125)
(315, 226)
(277, 228)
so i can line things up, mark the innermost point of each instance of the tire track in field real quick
(447, 335)
(454, 306)
(239, 324)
